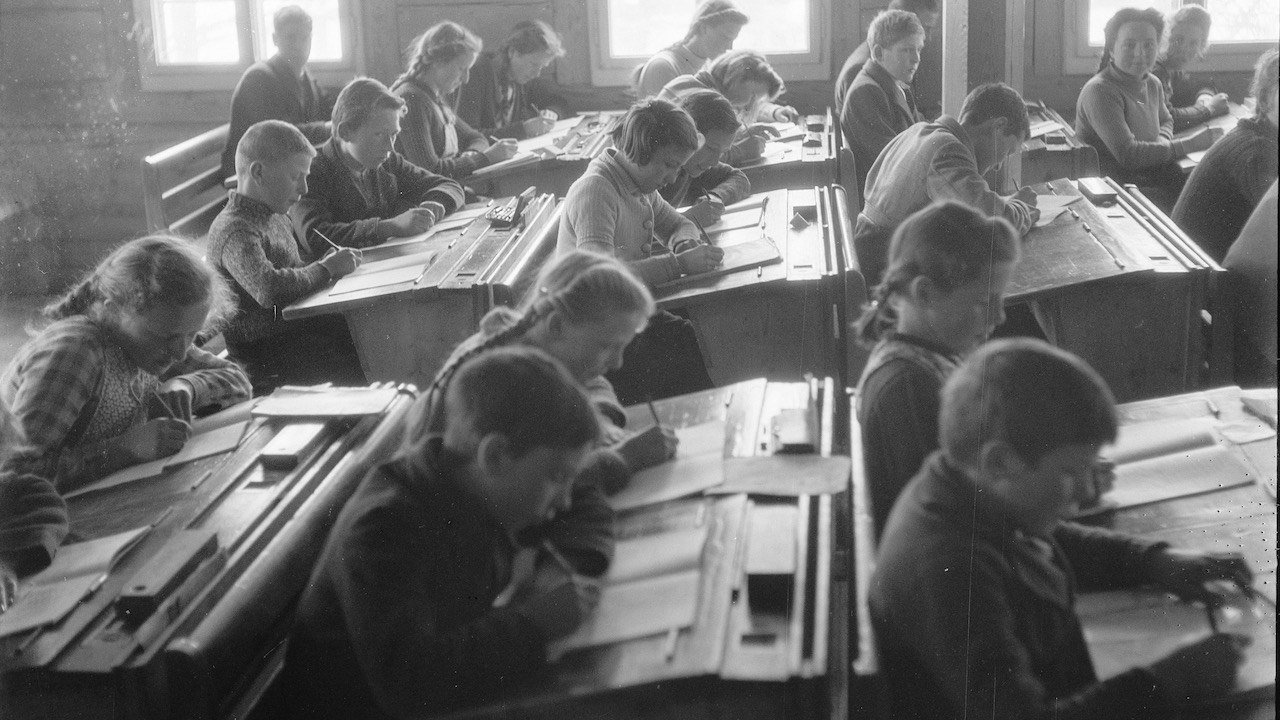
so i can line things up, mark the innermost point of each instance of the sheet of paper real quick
(1044, 127)
(459, 219)
(418, 260)
(239, 412)
(89, 557)
(41, 605)
(210, 443)
(657, 554)
(749, 217)
(1263, 405)
(636, 609)
(356, 283)
(520, 159)
(133, 473)
(755, 201)
(1176, 475)
(787, 475)
(1051, 206)
(771, 546)
(325, 402)
(1140, 441)
(698, 465)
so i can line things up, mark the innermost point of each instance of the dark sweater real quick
(346, 209)
(975, 618)
(398, 619)
(422, 132)
(494, 105)
(1227, 185)
(722, 180)
(269, 90)
(1180, 96)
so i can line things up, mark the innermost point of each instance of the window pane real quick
(1100, 11)
(777, 26)
(326, 28)
(1244, 20)
(196, 31)
(640, 28)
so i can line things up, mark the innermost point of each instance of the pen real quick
(425, 268)
(1213, 622)
(332, 244)
(654, 412)
(164, 406)
(557, 557)
(168, 511)
(93, 587)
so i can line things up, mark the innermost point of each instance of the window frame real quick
(608, 71)
(1081, 58)
(155, 77)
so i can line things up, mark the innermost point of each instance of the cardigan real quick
(722, 180)
(1227, 184)
(876, 109)
(421, 140)
(336, 203)
(899, 398)
(398, 618)
(605, 211)
(975, 618)
(1180, 94)
(255, 249)
(270, 90)
(928, 162)
(1126, 120)
(492, 104)
(665, 65)
(55, 388)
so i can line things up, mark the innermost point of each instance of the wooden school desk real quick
(808, 155)
(1225, 511)
(1053, 151)
(1225, 123)
(766, 641)
(1128, 297)
(206, 637)
(788, 318)
(404, 330)
(550, 162)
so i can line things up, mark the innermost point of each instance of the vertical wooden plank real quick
(955, 55)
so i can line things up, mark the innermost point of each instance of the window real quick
(1242, 30)
(207, 44)
(791, 32)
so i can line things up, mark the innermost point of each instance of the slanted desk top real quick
(220, 622)
(1054, 151)
(550, 162)
(1226, 123)
(811, 154)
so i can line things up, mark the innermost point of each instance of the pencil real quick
(557, 557)
(705, 240)
(1213, 622)
(654, 412)
(332, 244)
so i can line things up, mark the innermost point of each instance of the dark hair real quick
(996, 100)
(532, 36)
(269, 142)
(890, 26)
(1265, 74)
(652, 124)
(948, 242)
(289, 14)
(1027, 393)
(738, 66)
(710, 112)
(522, 394)
(715, 12)
(441, 43)
(358, 100)
(1111, 31)
(142, 274)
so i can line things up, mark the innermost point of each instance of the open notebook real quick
(76, 573)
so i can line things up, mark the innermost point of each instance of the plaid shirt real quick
(54, 384)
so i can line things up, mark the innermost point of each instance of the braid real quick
(78, 301)
(877, 316)
(441, 43)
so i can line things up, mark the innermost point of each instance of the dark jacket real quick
(337, 205)
(269, 90)
(722, 180)
(485, 105)
(875, 111)
(1226, 186)
(975, 619)
(398, 619)
(1180, 95)
(421, 139)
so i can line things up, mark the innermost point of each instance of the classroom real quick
(842, 359)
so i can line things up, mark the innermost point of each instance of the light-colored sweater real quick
(1127, 120)
(665, 66)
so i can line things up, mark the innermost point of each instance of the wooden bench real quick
(182, 188)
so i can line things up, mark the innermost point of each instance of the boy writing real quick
(252, 245)
(973, 597)
(399, 617)
(360, 191)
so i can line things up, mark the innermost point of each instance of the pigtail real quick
(877, 318)
(78, 301)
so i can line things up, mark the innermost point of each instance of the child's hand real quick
(1026, 195)
(651, 446)
(154, 439)
(706, 211)
(413, 221)
(1186, 572)
(342, 262)
(700, 259)
(1216, 104)
(501, 150)
(535, 126)
(765, 132)
(178, 397)
(1202, 670)
(786, 113)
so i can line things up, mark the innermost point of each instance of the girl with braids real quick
(615, 209)
(583, 310)
(504, 97)
(114, 379)
(1122, 111)
(712, 32)
(941, 297)
(432, 135)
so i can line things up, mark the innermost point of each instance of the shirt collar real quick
(245, 205)
(615, 171)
